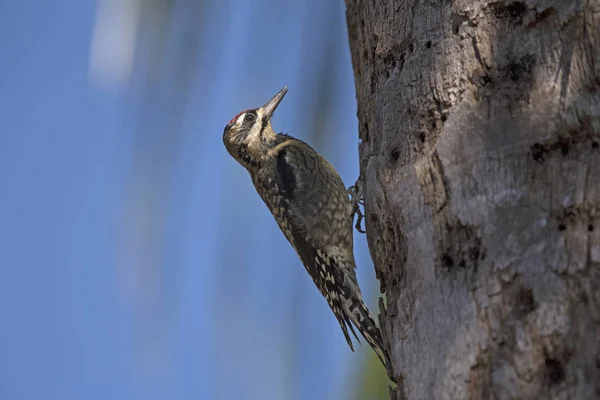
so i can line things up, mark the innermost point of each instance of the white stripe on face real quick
(240, 119)
(254, 133)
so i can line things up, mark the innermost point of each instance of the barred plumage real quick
(310, 203)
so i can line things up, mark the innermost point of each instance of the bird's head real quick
(251, 129)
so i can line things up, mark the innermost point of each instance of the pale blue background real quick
(137, 261)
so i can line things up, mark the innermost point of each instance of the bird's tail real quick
(357, 311)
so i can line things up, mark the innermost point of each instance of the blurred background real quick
(137, 260)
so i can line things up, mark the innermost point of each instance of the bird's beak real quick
(272, 104)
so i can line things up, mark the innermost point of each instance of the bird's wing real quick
(318, 216)
(319, 203)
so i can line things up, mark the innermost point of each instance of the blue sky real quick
(137, 260)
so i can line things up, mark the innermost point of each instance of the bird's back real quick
(302, 189)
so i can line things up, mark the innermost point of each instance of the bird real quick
(308, 200)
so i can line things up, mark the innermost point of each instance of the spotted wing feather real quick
(296, 192)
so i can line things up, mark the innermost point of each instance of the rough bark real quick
(480, 129)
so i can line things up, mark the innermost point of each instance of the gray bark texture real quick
(480, 129)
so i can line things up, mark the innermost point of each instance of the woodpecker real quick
(309, 201)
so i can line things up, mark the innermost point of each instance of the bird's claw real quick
(356, 198)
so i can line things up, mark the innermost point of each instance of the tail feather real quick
(352, 329)
(364, 321)
(344, 324)
(372, 335)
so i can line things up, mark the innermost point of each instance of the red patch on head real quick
(236, 117)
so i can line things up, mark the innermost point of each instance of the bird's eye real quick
(249, 118)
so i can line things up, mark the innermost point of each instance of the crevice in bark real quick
(514, 11)
(461, 247)
(580, 139)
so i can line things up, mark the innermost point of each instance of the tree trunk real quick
(480, 129)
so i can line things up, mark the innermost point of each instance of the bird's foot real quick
(356, 199)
